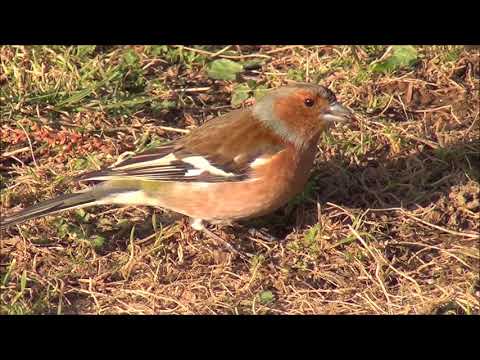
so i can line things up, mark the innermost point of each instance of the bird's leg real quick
(197, 224)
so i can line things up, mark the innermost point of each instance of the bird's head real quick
(300, 112)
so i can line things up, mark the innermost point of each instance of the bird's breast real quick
(273, 181)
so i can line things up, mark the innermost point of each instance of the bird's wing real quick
(223, 149)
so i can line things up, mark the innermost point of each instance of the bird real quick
(244, 164)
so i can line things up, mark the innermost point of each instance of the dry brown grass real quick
(388, 224)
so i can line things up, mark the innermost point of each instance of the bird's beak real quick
(337, 113)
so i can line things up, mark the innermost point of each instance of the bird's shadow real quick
(377, 182)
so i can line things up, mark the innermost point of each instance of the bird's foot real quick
(262, 235)
(197, 224)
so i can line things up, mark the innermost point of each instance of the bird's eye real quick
(309, 102)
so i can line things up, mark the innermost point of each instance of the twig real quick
(369, 301)
(386, 106)
(197, 89)
(432, 110)
(425, 246)
(168, 128)
(153, 62)
(403, 107)
(432, 144)
(14, 152)
(453, 232)
(385, 54)
(464, 234)
(283, 49)
(156, 296)
(377, 261)
(30, 143)
(307, 70)
(139, 242)
(222, 51)
(233, 57)
(17, 159)
(473, 123)
(417, 287)
(354, 52)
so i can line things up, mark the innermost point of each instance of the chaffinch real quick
(244, 164)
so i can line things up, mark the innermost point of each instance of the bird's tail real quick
(94, 196)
